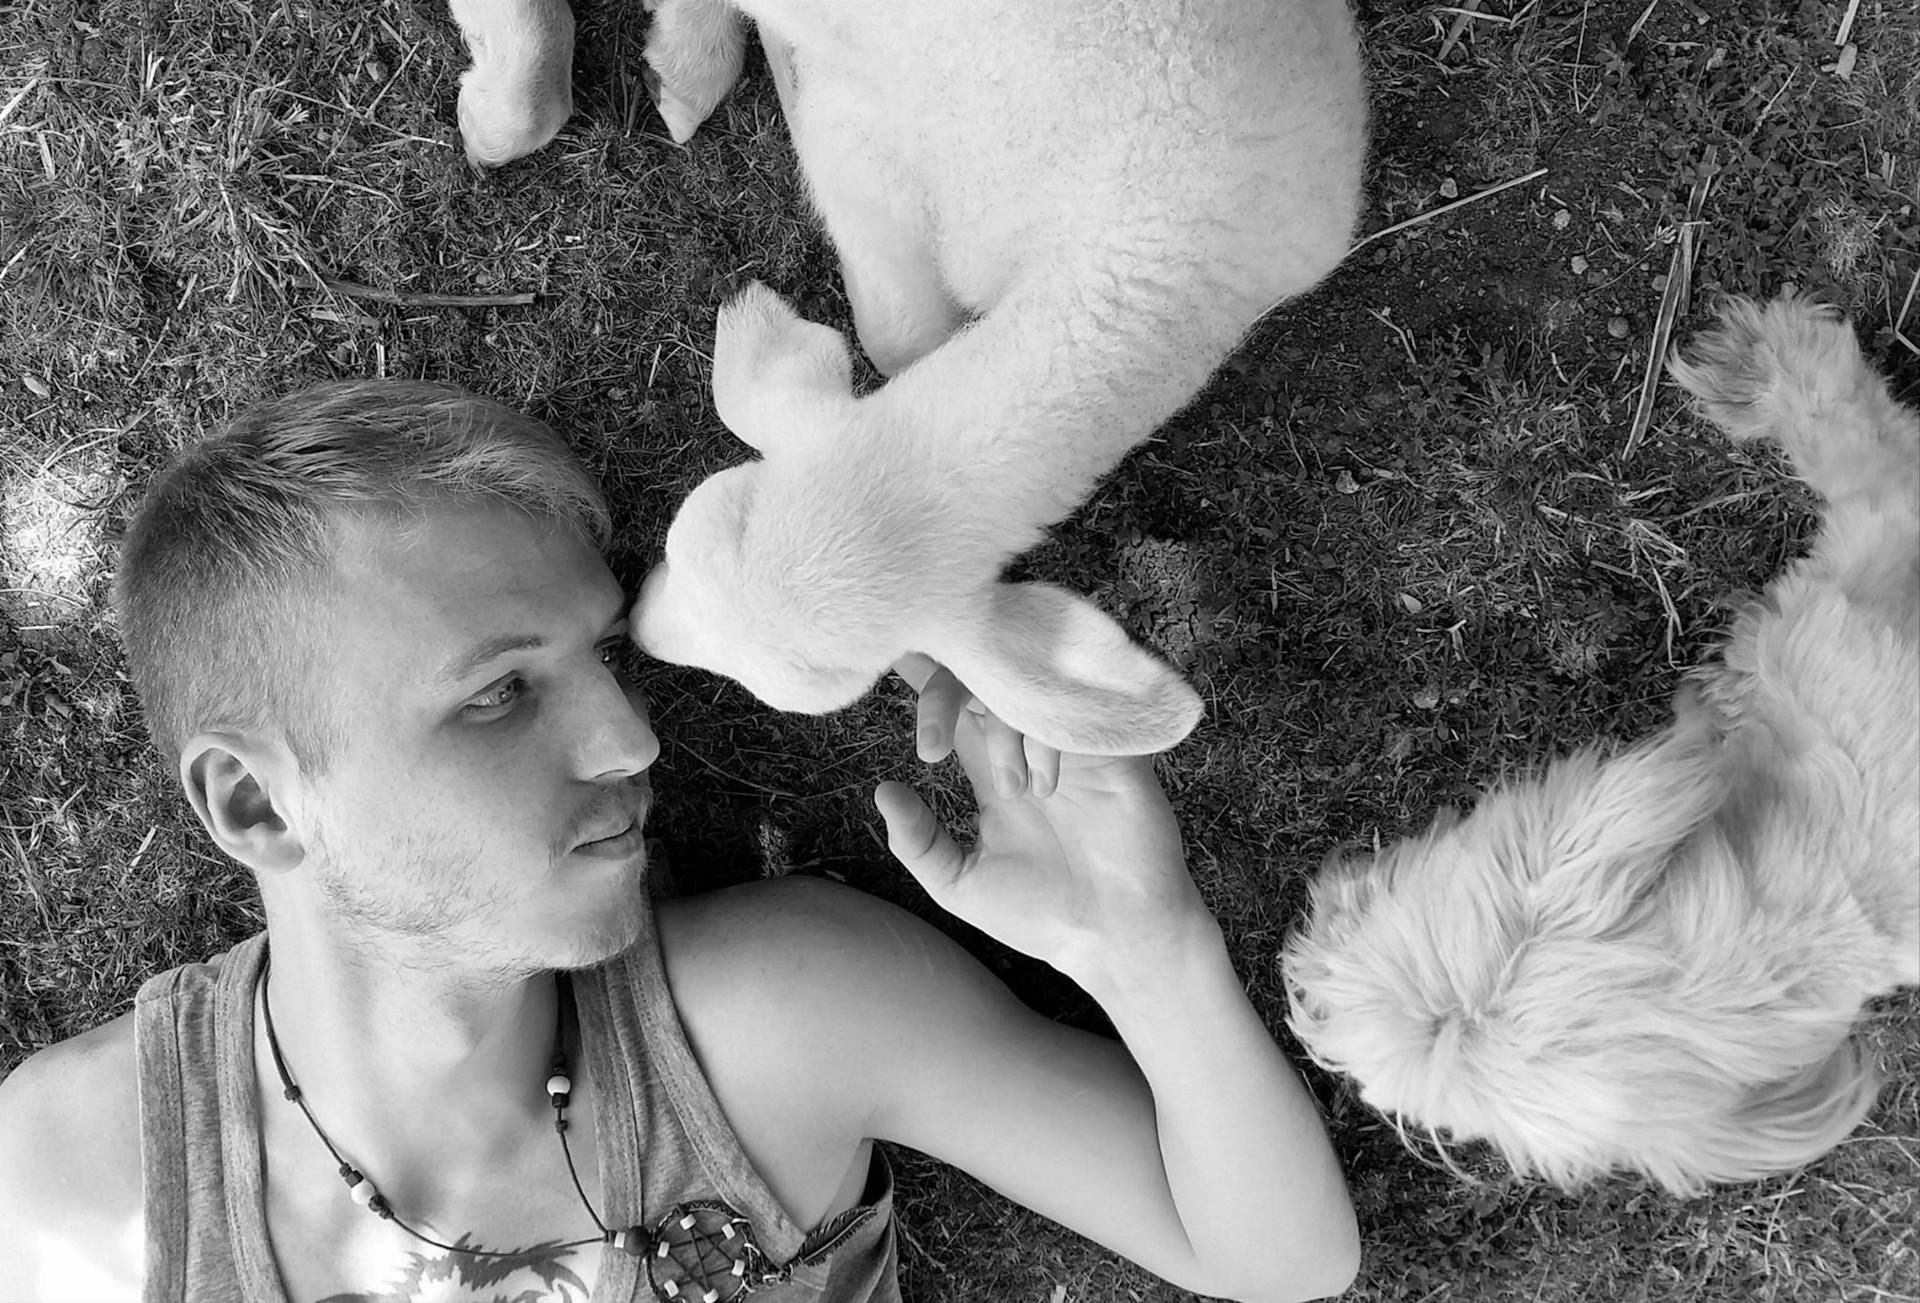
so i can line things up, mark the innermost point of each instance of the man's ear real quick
(238, 787)
(779, 380)
(1055, 667)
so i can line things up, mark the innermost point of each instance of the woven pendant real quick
(704, 1253)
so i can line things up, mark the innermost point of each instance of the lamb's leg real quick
(1792, 371)
(519, 91)
(901, 310)
(695, 49)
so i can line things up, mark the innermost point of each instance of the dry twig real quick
(1900, 321)
(1641, 21)
(1673, 302)
(1846, 24)
(355, 290)
(1432, 213)
(1461, 17)
(6, 110)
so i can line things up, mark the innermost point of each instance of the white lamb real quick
(519, 91)
(1054, 221)
(1651, 959)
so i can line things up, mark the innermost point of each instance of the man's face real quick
(486, 801)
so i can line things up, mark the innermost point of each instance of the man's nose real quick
(615, 737)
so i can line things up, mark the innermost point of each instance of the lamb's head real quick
(791, 574)
(1576, 974)
(806, 574)
(745, 592)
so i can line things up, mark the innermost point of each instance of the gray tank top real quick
(670, 1150)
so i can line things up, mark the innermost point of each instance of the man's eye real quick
(501, 694)
(617, 655)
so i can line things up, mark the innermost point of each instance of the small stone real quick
(1618, 327)
(1562, 219)
(1411, 604)
(1578, 264)
(376, 70)
(1345, 483)
(37, 385)
(1449, 189)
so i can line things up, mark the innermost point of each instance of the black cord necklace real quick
(559, 1091)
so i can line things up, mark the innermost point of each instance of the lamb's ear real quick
(1053, 666)
(778, 379)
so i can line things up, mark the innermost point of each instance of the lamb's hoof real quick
(494, 131)
(682, 118)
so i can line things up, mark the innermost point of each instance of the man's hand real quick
(1078, 858)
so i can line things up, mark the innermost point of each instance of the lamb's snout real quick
(644, 620)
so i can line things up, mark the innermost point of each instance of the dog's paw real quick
(1761, 359)
(1793, 372)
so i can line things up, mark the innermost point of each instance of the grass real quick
(1395, 543)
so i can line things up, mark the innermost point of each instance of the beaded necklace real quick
(559, 1087)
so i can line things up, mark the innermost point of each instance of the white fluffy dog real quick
(1650, 959)
(1054, 221)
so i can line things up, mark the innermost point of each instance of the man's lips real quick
(616, 834)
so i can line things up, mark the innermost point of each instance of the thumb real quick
(916, 838)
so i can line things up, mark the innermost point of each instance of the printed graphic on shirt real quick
(538, 1274)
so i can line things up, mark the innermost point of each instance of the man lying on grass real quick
(372, 626)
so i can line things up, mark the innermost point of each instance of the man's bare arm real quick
(71, 1225)
(1197, 1151)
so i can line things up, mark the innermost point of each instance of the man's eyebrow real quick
(481, 653)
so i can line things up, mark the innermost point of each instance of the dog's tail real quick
(1792, 371)
(1777, 1126)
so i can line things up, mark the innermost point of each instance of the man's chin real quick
(611, 929)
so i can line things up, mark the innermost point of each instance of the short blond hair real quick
(226, 564)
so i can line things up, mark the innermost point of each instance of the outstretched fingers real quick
(916, 839)
(942, 698)
(1018, 763)
(1043, 768)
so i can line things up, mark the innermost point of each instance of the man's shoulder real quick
(89, 1083)
(810, 959)
(70, 1162)
(792, 933)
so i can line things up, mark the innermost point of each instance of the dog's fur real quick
(1651, 959)
(1054, 221)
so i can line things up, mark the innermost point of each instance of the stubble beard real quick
(422, 900)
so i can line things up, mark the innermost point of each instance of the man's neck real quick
(428, 1076)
